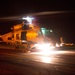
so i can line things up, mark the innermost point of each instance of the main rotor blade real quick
(35, 14)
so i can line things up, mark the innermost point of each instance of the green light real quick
(43, 31)
(46, 31)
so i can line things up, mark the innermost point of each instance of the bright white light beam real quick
(29, 19)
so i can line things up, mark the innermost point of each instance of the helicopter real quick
(27, 34)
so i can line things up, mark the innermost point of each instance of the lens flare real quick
(29, 19)
(44, 47)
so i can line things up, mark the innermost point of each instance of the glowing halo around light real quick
(29, 19)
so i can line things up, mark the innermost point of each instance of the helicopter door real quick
(23, 36)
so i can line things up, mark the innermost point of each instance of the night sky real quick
(62, 24)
